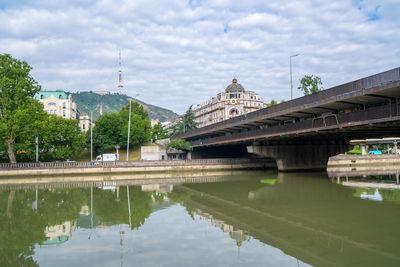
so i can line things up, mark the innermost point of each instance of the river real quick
(238, 218)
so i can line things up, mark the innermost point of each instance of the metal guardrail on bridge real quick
(339, 120)
(333, 94)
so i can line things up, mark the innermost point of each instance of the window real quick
(51, 104)
(60, 97)
(41, 96)
(64, 105)
(64, 113)
(84, 126)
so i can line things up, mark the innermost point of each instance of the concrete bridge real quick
(303, 133)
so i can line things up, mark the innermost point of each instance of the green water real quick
(242, 219)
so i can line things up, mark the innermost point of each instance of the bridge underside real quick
(298, 150)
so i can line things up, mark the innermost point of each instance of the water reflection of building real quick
(57, 234)
(161, 188)
(236, 234)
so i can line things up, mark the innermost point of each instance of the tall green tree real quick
(186, 123)
(310, 84)
(158, 132)
(60, 138)
(140, 130)
(16, 87)
(112, 129)
(107, 132)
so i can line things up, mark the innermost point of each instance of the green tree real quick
(60, 138)
(310, 84)
(158, 132)
(16, 86)
(179, 144)
(112, 129)
(186, 123)
(140, 130)
(272, 103)
(107, 132)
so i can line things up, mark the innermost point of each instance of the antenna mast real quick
(120, 86)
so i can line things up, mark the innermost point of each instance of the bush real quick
(179, 144)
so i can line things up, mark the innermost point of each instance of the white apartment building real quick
(58, 103)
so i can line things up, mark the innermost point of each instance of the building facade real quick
(84, 123)
(233, 102)
(58, 103)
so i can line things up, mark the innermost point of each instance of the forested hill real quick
(114, 102)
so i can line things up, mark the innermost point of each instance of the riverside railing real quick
(142, 163)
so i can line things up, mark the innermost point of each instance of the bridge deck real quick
(374, 99)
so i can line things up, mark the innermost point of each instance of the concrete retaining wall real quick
(132, 167)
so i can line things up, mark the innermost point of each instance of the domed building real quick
(233, 102)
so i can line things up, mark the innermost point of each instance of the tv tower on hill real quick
(120, 86)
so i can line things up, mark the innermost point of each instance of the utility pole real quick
(37, 148)
(291, 84)
(91, 136)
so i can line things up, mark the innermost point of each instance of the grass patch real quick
(354, 152)
(134, 153)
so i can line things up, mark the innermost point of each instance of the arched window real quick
(60, 97)
(41, 96)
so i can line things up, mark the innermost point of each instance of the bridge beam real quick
(306, 156)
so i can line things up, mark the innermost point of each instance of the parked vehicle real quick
(375, 152)
(107, 157)
(69, 160)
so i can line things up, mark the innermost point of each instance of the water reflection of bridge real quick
(278, 216)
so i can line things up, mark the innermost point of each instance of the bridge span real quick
(303, 133)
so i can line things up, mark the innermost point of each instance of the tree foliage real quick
(310, 84)
(16, 87)
(59, 138)
(186, 123)
(179, 144)
(158, 132)
(112, 129)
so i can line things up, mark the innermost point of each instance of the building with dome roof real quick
(233, 102)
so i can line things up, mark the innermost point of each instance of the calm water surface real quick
(236, 219)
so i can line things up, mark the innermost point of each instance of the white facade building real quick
(233, 102)
(58, 103)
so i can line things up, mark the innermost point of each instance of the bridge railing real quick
(373, 114)
(142, 163)
(346, 90)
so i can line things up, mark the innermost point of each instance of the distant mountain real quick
(113, 102)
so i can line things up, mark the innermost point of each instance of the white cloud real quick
(177, 53)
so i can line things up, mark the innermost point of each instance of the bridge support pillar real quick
(290, 157)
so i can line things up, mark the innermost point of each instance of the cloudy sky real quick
(181, 52)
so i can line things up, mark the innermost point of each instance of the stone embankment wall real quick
(67, 168)
(359, 163)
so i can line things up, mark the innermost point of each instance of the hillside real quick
(114, 102)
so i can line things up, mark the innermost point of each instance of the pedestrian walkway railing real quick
(141, 163)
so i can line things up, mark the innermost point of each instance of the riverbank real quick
(88, 168)
(357, 163)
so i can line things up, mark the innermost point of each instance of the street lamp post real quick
(37, 148)
(129, 127)
(91, 136)
(291, 84)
